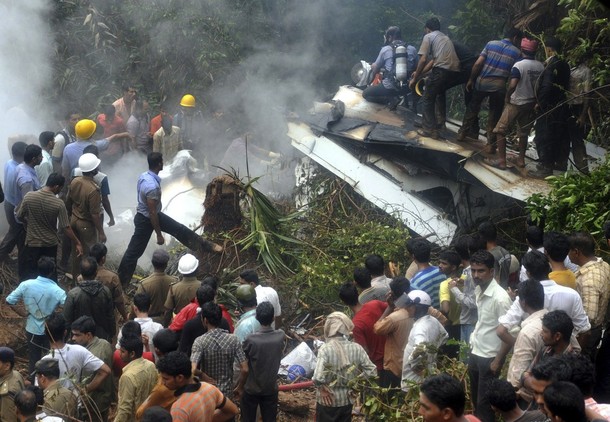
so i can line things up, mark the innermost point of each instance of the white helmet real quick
(419, 296)
(88, 162)
(188, 264)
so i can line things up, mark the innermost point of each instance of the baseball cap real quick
(419, 296)
(47, 367)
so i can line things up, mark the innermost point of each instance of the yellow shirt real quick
(444, 295)
(564, 278)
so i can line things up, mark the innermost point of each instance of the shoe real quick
(541, 172)
(560, 167)
(461, 137)
(428, 134)
(417, 123)
(392, 104)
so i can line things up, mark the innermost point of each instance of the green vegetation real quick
(576, 202)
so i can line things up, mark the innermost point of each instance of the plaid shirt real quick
(214, 353)
(593, 285)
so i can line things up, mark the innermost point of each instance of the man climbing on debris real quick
(149, 218)
(488, 80)
(437, 55)
(519, 104)
(388, 92)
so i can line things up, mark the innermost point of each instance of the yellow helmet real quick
(85, 129)
(187, 101)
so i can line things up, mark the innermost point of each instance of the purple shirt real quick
(73, 151)
(10, 182)
(149, 187)
(26, 175)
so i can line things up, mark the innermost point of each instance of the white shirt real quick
(149, 328)
(268, 294)
(427, 329)
(556, 297)
(381, 281)
(492, 304)
(75, 363)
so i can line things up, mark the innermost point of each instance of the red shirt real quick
(190, 311)
(118, 364)
(363, 333)
(155, 123)
(117, 125)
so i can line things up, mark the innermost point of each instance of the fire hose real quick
(296, 386)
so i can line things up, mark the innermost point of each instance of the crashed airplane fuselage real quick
(436, 186)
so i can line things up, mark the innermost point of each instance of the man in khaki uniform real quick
(58, 400)
(181, 293)
(83, 334)
(84, 203)
(11, 382)
(108, 278)
(157, 285)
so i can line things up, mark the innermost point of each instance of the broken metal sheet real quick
(385, 192)
(358, 107)
(506, 182)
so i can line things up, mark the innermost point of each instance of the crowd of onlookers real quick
(543, 319)
(178, 354)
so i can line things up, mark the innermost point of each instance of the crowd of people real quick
(181, 355)
(520, 89)
(542, 319)
(177, 356)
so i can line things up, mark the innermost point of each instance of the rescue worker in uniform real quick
(11, 382)
(190, 121)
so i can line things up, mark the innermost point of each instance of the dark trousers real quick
(480, 376)
(141, 236)
(471, 117)
(15, 235)
(38, 346)
(551, 137)
(577, 134)
(436, 85)
(602, 371)
(28, 260)
(333, 414)
(589, 348)
(86, 232)
(267, 403)
(379, 94)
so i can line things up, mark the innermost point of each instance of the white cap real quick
(419, 296)
(88, 162)
(188, 264)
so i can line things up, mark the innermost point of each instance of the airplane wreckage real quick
(437, 187)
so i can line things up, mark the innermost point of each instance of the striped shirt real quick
(500, 56)
(197, 403)
(330, 372)
(215, 352)
(41, 210)
(429, 280)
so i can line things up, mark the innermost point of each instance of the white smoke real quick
(26, 44)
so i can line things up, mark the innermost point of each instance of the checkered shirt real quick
(214, 353)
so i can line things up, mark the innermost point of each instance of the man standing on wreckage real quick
(149, 218)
